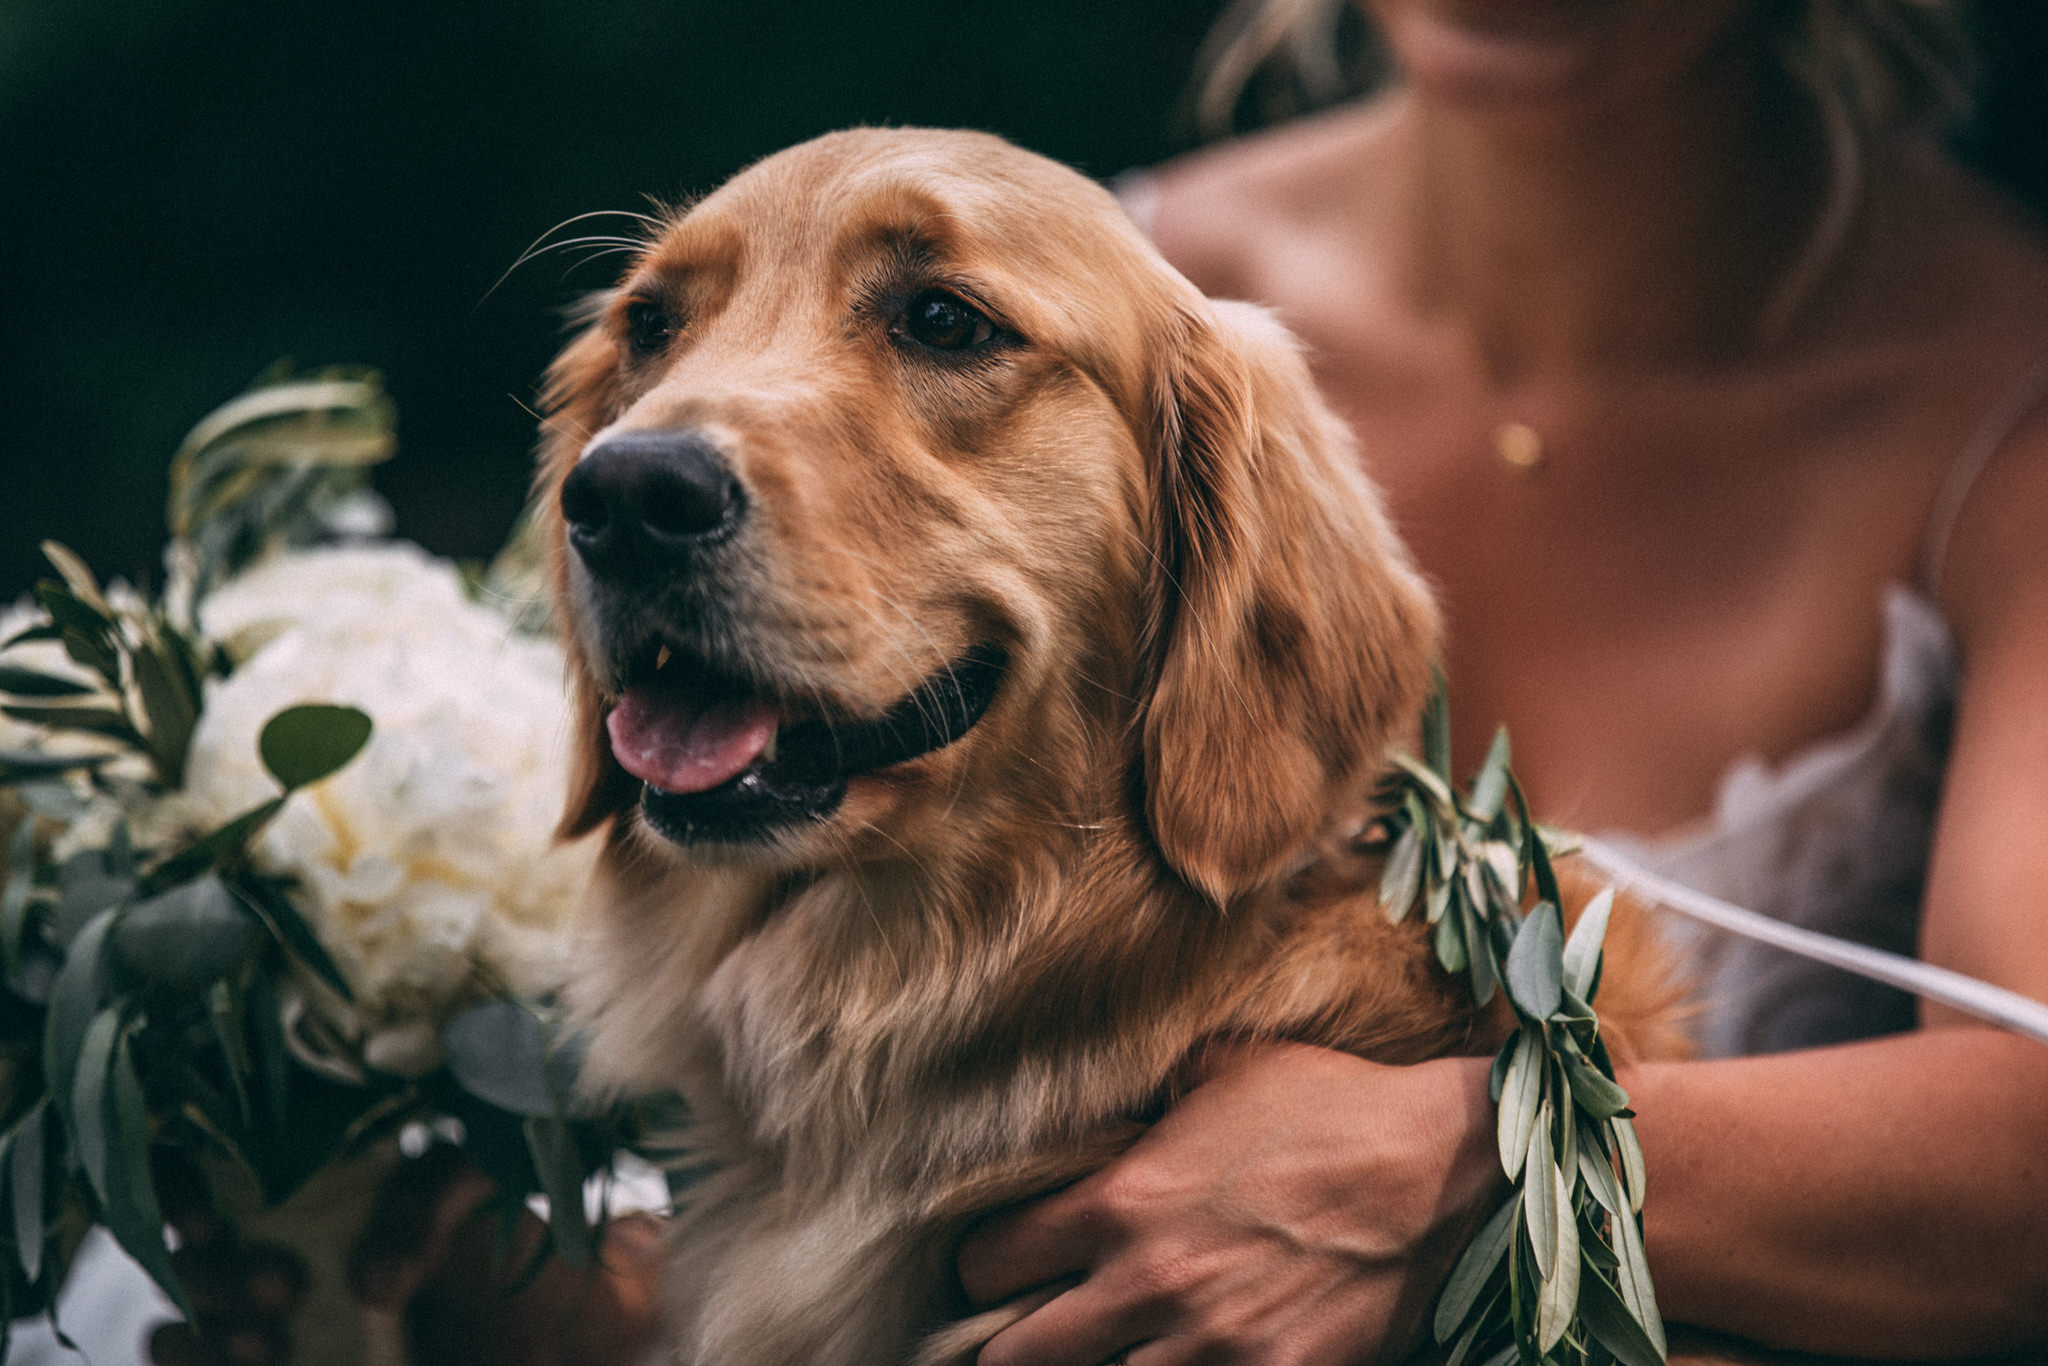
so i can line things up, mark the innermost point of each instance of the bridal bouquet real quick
(277, 872)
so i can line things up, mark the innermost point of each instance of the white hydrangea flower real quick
(427, 865)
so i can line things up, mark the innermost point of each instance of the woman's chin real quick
(1545, 54)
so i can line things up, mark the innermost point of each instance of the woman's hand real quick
(1299, 1206)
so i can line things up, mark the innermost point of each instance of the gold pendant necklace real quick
(1519, 446)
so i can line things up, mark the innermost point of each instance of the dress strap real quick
(2000, 422)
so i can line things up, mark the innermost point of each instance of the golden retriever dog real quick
(986, 648)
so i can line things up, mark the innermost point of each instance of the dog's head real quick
(900, 476)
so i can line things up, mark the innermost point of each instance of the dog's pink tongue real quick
(664, 737)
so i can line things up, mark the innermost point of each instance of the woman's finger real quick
(1044, 1240)
(1091, 1324)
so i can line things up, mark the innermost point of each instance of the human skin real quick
(1583, 218)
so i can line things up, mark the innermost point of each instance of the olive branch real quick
(1557, 1275)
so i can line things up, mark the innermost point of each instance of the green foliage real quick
(140, 988)
(1557, 1276)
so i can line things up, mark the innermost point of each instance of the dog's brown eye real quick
(649, 327)
(946, 322)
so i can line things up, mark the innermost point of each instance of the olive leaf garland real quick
(1557, 1276)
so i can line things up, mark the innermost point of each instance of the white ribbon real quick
(2007, 1009)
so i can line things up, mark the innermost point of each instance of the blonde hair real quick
(1865, 66)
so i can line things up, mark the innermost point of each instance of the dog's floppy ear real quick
(576, 398)
(1293, 638)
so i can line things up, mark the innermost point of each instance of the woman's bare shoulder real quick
(1218, 213)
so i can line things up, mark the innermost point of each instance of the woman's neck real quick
(1653, 232)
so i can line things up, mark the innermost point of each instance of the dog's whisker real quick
(536, 247)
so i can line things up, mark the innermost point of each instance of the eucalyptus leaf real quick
(1497, 1077)
(85, 888)
(211, 850)
(272, 1072)
(1401, 879)
(499, 1052)
(1490, 788)
(1519, 1099)
(1582, 950)
(1535, 966)
(185, 939)
(1435, 787)
(25, 1190)
(224, 1014)
(270, 902)
(560, 1166)
(87, 1116)
(302, 745)
(30, 683)
(1539, 1191)
(74, 1000)
(1557, 1301)
(1436, 902)
(133, 1214)
(1482, 1257)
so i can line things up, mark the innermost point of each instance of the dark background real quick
(192, 189)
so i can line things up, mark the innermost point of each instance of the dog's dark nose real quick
(648, 498)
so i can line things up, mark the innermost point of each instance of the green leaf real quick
(30, 683)
(302, 745)
(1401, 879)
(1482, 1257)
(77, 577)
(273, 1072)
(1485, 973)
(1535, 966)
(1559, 1297)
(1519, 1099)
(1497, 1078)
(44, 631)
(1613, 1325)
(86, 720)
(1490, 788)
(25, 1189)
(1450, 942)
(87, 1117)
(1427, 779)
(1582, 951)
(1539, 1189)
(171, 709)
(1598, 1095)
(16, 894)
(134, 1216)
(211, 850)
(1632, 1276)
(74, 1000)
(500, 1053)
(1436, 728)
(27, 766)
(560, 1166)
(185, 939)
(1598, 1172)
(271, 903)
(1631, 1154)
(224, 1013)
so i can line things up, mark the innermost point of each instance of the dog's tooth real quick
(661, 658)
(768, 750)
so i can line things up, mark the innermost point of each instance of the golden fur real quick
(981, 974)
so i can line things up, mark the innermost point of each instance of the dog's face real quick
(900, 475)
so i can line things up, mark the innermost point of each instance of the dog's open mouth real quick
(725, 762)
